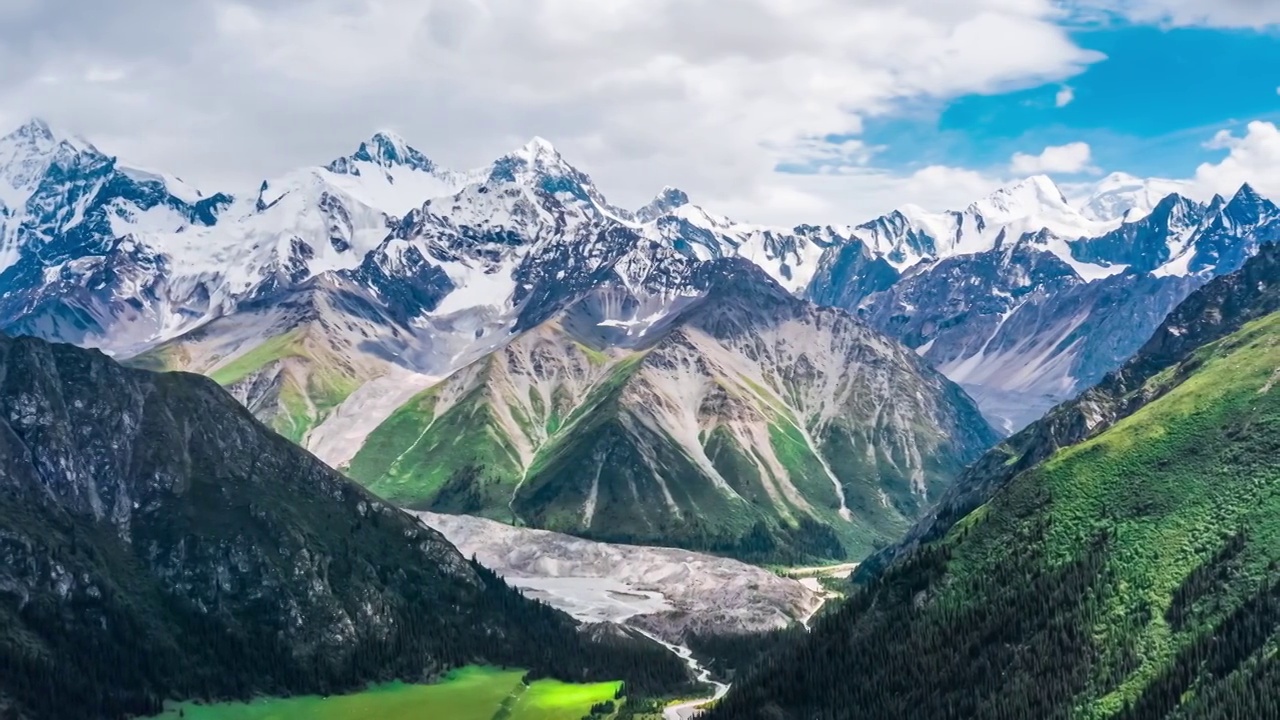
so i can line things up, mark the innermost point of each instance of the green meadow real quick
(472, 693)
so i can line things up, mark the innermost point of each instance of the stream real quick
(689, 709)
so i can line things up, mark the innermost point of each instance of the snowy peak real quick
(539, 149)
(35, 132)
(666, 202)
(1123, 197)
(540, 167)
(27, 153)
(537, 158)
(389, 175)
(908, 236)
(38, 137)
(1021, 199)
(1248, 208)
(384, 150)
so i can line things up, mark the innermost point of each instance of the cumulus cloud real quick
(1252, 157)
(1072, 158)
(712, 95)
(1066, 95)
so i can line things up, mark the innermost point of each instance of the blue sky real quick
(1147, 109)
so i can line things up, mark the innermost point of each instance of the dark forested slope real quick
(157, 542)
(1129, 570)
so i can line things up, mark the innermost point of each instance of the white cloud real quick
(828, 199)
(1065, 96)
(1211, 13)
(707, 94)
(1070, 159)
(1253, 157)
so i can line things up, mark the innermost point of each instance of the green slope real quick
(1132, 575)
(750, 423)
(310, 380)
(460, 462)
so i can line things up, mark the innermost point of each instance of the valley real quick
(1116, 559)
(377, 423)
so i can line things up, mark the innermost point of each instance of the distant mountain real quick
(1026, 318)
(157, 542)
(1120, 196)
(735, 418)
(1117, 558)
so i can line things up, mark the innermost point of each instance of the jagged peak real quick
(386, 149)
(1247, 194)
(669, 191)
(666, 201)
(539, 158)
(538, 147)
(1171, 201)
(38, 135)
(1042, 186)
(34, 128)
(1248, 206)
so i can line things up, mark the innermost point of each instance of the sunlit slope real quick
(745, 422)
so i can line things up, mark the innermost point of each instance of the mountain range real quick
(379, 306)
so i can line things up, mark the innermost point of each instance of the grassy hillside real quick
(292, 381)
(1132, 575)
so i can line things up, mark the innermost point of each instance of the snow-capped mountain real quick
(329, 299)
(1123, 197)
(1023, 318)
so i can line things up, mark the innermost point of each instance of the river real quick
(689, 708)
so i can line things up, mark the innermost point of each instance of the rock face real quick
(1117, 558)
(738, 419)
(157, 542)
(670, 593)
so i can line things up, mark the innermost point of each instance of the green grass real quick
(162, 358)
(302, 405)
(1168, 485)
(472, 693)
(270, 350)
(412, 456)
(555, 700)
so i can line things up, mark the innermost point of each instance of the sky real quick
(771, 111)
